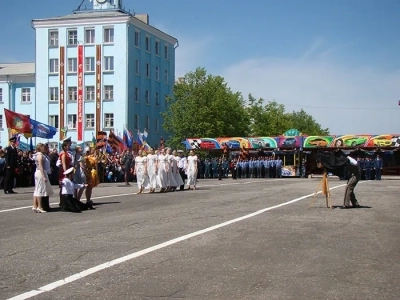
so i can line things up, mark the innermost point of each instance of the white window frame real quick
(108, 64)
(166, 52)
(1, 121)
(1, 95)
(166, 79)
(137, 38)
(90, 93)
(157, 47)
(147, 122)
(165, 100)
(90, 62)
(147, 97)
(89, 121)
(157, 98)
(157, 125)
(108, 120)
(72, 93)
(72, 121)
(72, 40)
(72, 65)
(108, 92)
(136, 121)
(148, 43)
(148, 71)
(108, 35)
(26, 95)
(54, 66)
(53, 40)
(157, 71)
(137, 94)
(53, 120)
(90, 36)
(53, 94)
(137, 67)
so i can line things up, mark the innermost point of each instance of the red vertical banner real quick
(98, 87)
(62, 92)
(80, 93)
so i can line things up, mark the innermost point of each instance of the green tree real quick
(306, 124)
(204, 106)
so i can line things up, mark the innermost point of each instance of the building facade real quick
(17, 93)
(103, 69)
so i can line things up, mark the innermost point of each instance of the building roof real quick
(89, 15)
(17, 69)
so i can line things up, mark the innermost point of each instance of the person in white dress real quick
(141, 171)
(162, 168)
(152, 170)
(191, 170)
(42, 184)
(171, 186)
(175, 172)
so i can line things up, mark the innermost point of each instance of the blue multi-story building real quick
(103, 69)
(17, 93)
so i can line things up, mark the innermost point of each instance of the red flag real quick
(18, 122)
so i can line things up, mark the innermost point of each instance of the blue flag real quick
(42, 130)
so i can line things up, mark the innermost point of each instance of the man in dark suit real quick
(11, 166)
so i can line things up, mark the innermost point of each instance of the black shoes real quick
(10, 192)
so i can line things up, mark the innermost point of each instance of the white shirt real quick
(181, 162)
(68, 187)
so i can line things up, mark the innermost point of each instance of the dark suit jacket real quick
(11, 157)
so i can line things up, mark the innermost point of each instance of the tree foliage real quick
(204, 106)
(306, 124)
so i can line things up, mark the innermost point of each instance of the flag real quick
(115, 142)
(101, 139)
(94, 141)
(139, 139)
(145, 134)
(42, 130)
(17, 122)
(31, 145)
(128, 138)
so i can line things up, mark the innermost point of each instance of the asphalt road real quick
(244, 239)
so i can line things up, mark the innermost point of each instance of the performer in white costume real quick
(152, 170)
(191, 170)
(175, 171)
(141, 171)
(171, 186)
(162, 168)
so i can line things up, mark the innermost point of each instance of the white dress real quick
(175, 171)
(162, 173)
(42, 188)
(140, 171)
(171, 170)
(151, 171)
(192, 170)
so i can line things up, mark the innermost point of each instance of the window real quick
(108, 92)
(72, 37)
(137, 67)
(165, 100)
(53, 121)
(166, 52)
(53, 94)
(1, 121)
(148, 70)
(71, 121)
(1, 95)
(147, 97)
(157, 73)
(166, 76)
(26, 95)
(157, 96)
(108, 120)
(108, 35)
(157, 46)
(157, 125)
(147, 122)
(137, 38)
(147, 43)
(89, 36)
(89, 64)
(89, 121)
(136, 94)
(53, 65)
(72, 93)
(90, 93)
(108, 63)
(53, 38)
(72, 65)
(136, 121)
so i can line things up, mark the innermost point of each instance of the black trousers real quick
(9, 179)
(183, 176)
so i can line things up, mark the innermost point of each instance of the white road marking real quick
(131, 256)
(129, 194)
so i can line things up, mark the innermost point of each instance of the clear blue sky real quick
(334, 58)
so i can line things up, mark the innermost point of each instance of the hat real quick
(13, 139)
(68, 139)
(180, 151)
(70, 170)
(87, 149)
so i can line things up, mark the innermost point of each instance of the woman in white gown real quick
(171, 186)
(162, 167)
(175, 172)
(141, 171)
(152, 170)
(191, 169)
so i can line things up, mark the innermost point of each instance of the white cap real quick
(87, 149)
(68, 171)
